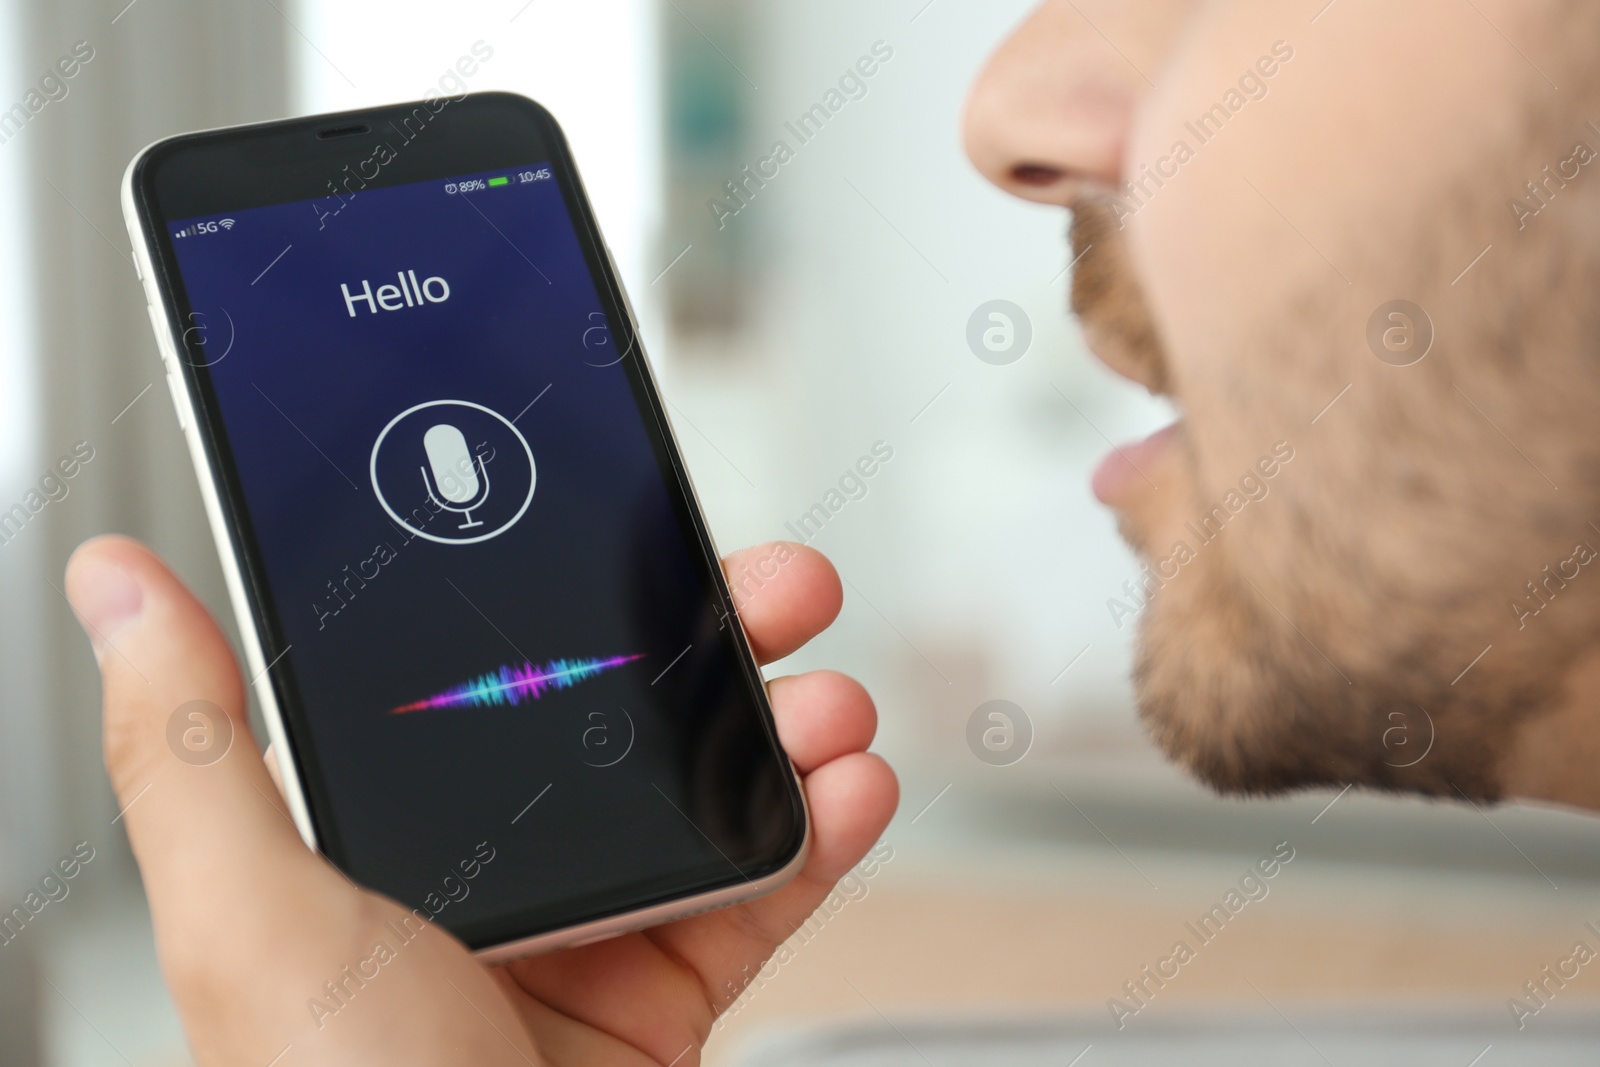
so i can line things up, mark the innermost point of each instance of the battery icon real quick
(498, 181)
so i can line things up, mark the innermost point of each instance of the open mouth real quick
(1128, 466)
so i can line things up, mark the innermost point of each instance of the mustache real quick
(1107, 298)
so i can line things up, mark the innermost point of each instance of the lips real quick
(1132, 465)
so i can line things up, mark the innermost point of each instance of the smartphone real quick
(483, 616)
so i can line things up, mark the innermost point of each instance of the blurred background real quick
(794, 328)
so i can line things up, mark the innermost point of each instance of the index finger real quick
(785, 594)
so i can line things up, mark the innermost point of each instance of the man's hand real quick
(250, 924)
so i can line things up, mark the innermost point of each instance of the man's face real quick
(1339, 541)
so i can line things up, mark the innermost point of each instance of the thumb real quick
(203, 817)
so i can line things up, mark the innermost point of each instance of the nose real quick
(1049, 115)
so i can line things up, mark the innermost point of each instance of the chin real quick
(1240, 699)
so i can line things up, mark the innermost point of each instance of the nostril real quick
(1036, 174)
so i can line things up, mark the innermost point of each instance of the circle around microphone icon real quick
(450, 471)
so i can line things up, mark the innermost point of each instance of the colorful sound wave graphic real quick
(513, 685)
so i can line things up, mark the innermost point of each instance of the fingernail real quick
(106, 597)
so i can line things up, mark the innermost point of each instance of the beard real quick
(1321, 639)
(1235, 694)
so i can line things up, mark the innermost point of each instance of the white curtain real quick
(82, 354)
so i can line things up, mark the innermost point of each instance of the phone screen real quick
(515, 698)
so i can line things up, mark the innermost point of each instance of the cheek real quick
(1298, 196)
(1258, 259)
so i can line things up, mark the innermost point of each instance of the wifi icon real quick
(226, 224)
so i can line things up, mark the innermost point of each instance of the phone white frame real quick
(162, 316)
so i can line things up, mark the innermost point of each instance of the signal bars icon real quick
(198, 228)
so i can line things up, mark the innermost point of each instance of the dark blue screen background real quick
(601, 564)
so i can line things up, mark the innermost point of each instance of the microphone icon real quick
(460, 441)
(458, 476)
